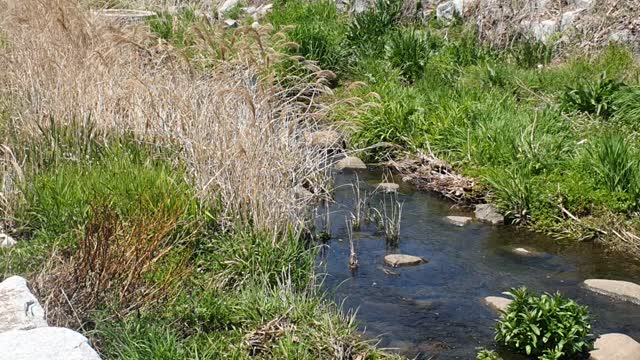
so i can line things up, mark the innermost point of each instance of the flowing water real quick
(435, 310)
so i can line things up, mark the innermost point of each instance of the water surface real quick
(435, 310)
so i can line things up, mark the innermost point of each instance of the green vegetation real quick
(535, 133)
(547, 326)
(484, 354)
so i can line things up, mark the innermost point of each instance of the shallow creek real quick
(435, 310)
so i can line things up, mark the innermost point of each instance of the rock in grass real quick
(46, 343)
(326, 139)
(388, 187)
(622, 290)
(19, 309)
(458, 220)
(6, 241)
(489, 213)
(398, 260)
(124, 16)
(615, 347)
(350, 162)
(497, 303)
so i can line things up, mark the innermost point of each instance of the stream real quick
(436, 310)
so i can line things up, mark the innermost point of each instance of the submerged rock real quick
(46, 343)
(497, 303)
(489, 213)
(6, 241)
(458, 220)
(525, 252)
(622, 290)
(388, 187)
(19, 309)
(350, 162)
(615, 347)
(397, 260)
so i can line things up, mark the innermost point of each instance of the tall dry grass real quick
(230, 122)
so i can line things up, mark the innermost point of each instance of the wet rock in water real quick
(615, 347)
(622, 290)
(19, 309)
(388, 187)
(350, 162)
(489, 213)
(497, 302)
(398, 260)
(458, 220)
(524, 252)
(46, 343)
(326, 139)
(6, 241)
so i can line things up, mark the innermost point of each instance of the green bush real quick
(408, 50)
(484, 354)
(592, 97)
(615, 162)
(547, 326)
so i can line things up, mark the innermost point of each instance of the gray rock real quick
(226, 6)
(488, 213)
(398, 260)
(569, 18)
(123, 16)
(497, 303)
(6, 241)
(543, 30)
(230, 23)
(46, 343)
(458, 220)
(19, 309)
(615, 347)
(582, 4)
(325, 139)
(623, 36)
(446, 11)
(388, 187)
(622, 290)
(350, 162)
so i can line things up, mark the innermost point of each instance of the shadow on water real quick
(436, 310)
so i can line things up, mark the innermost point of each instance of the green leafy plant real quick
(367, 29)
(513, 192)
(408, 50)
(614, 160)
(593, 97)
(547, 326)
(484, 354)
(627, 105)
(529, 53)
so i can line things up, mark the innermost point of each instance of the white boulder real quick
(622, 290)
(615, 347)
(398, 260)
(497, 303)
(458, 220)
(19, 309)
(46, 343)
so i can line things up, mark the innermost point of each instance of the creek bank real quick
(25, 333)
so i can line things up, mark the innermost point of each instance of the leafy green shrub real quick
(547, 326)
(627, 105)
(485, 354)
(592, 97)
(408, 50)
(367, 29)
(529, 53)
(615, 162)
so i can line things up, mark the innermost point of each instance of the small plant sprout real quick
(389, 218)
(353, 257)
(361, 206)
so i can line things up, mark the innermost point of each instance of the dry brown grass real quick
(230, 122)
(112, 267)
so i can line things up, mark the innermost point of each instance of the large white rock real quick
(226, 6)
(19, 309)
(350, 162)
(398, 260)
(615, 347)
(497, 303)
(447, 10)
(489, 213)
(46, 343)
(622, 290)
